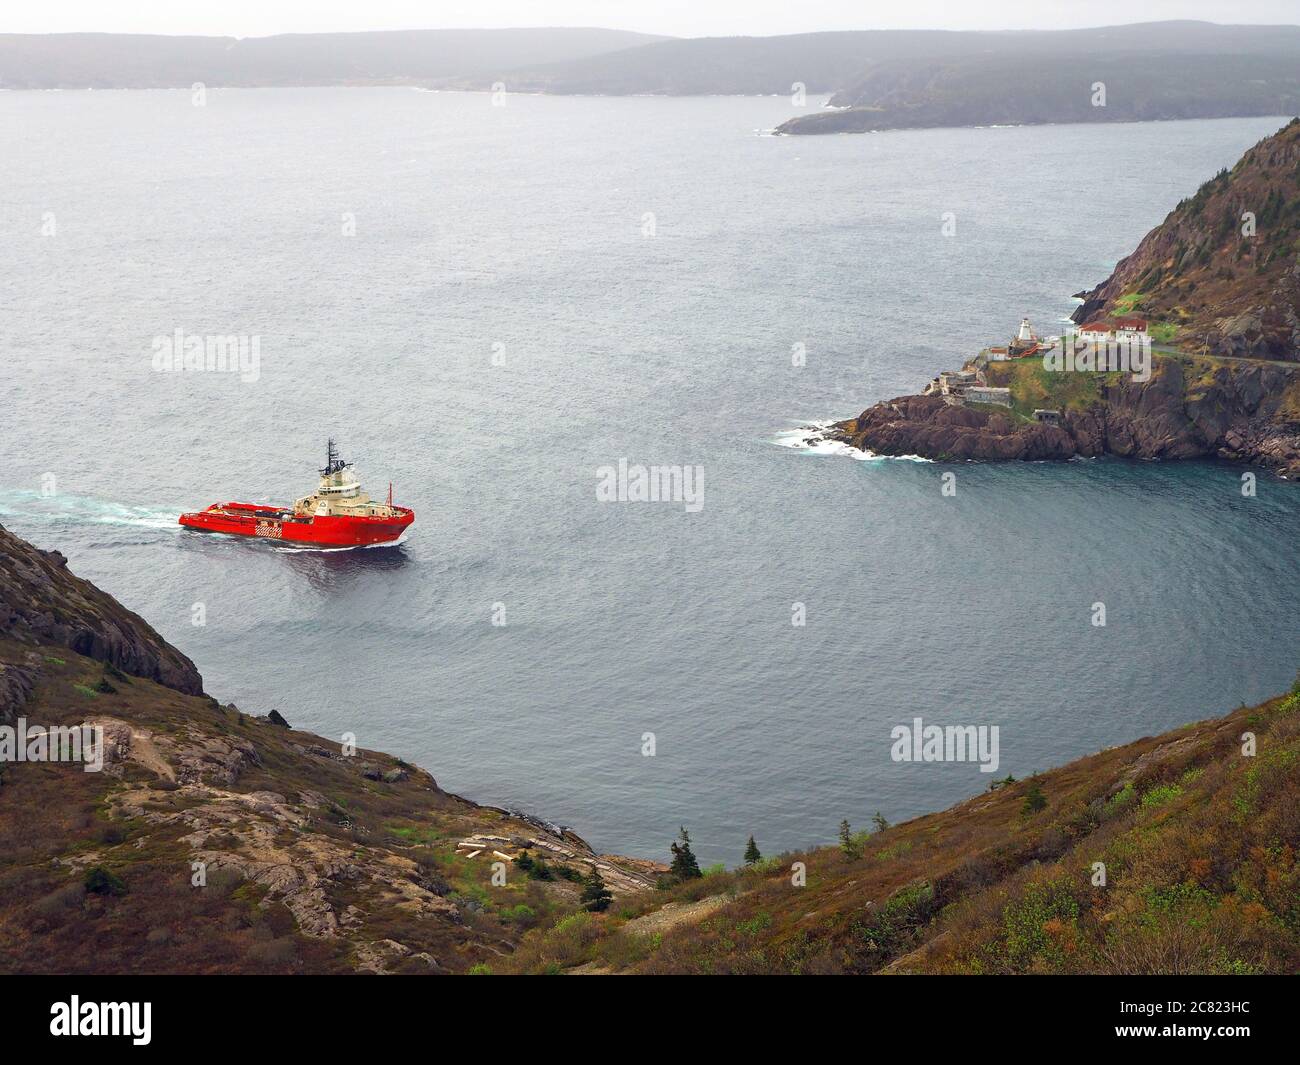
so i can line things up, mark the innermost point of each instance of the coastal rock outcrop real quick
(1242, 412)
(931, 428)
(42, 602)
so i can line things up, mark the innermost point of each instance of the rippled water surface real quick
(521, 233)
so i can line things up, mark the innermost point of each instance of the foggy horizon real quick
(676, 18)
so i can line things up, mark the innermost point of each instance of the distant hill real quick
(880, 79)
(758, 66)
(1159, 70)
(1206, 283)
(129, 61)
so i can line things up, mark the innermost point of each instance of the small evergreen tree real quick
(595, 895)
(880, 823)
(524, 862)
(99, 881)
(848, 845)
(1035, 800)
(752, 855)
(684, 866)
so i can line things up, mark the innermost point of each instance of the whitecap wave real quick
(810, 440)
(60, 508)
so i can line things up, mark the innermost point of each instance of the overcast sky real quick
(686, 18)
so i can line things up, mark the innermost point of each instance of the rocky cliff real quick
(1190, 408)
(1222, 271)
(214, 840)
(42, 602)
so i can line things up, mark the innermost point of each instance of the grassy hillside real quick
(1197, 840)
(1033, 387)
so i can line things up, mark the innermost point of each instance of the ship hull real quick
(269, 523)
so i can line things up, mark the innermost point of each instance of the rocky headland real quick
(1245, 413)
(1218, 284)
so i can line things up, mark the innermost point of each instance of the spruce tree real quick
(684, 866)
(595, 895)
(848, 845)
(752, 854)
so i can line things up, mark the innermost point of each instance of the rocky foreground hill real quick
(310, 857)
(214, 840)
(1220, 293)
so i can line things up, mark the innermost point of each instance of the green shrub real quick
(1028, 925)
(888, 930)
(1035, 800)
(1159, 795)
(1121, 799)
(99, 881)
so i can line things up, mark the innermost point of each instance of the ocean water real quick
(486, 305)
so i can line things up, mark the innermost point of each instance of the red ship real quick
(337, 514)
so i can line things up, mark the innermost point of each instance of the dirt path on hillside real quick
(674, 915)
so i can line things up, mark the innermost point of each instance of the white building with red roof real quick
(1100, 329)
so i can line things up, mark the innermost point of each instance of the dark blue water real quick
(519, 230)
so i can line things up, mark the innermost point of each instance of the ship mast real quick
(332, 461)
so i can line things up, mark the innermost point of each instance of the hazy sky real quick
(687, 18)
